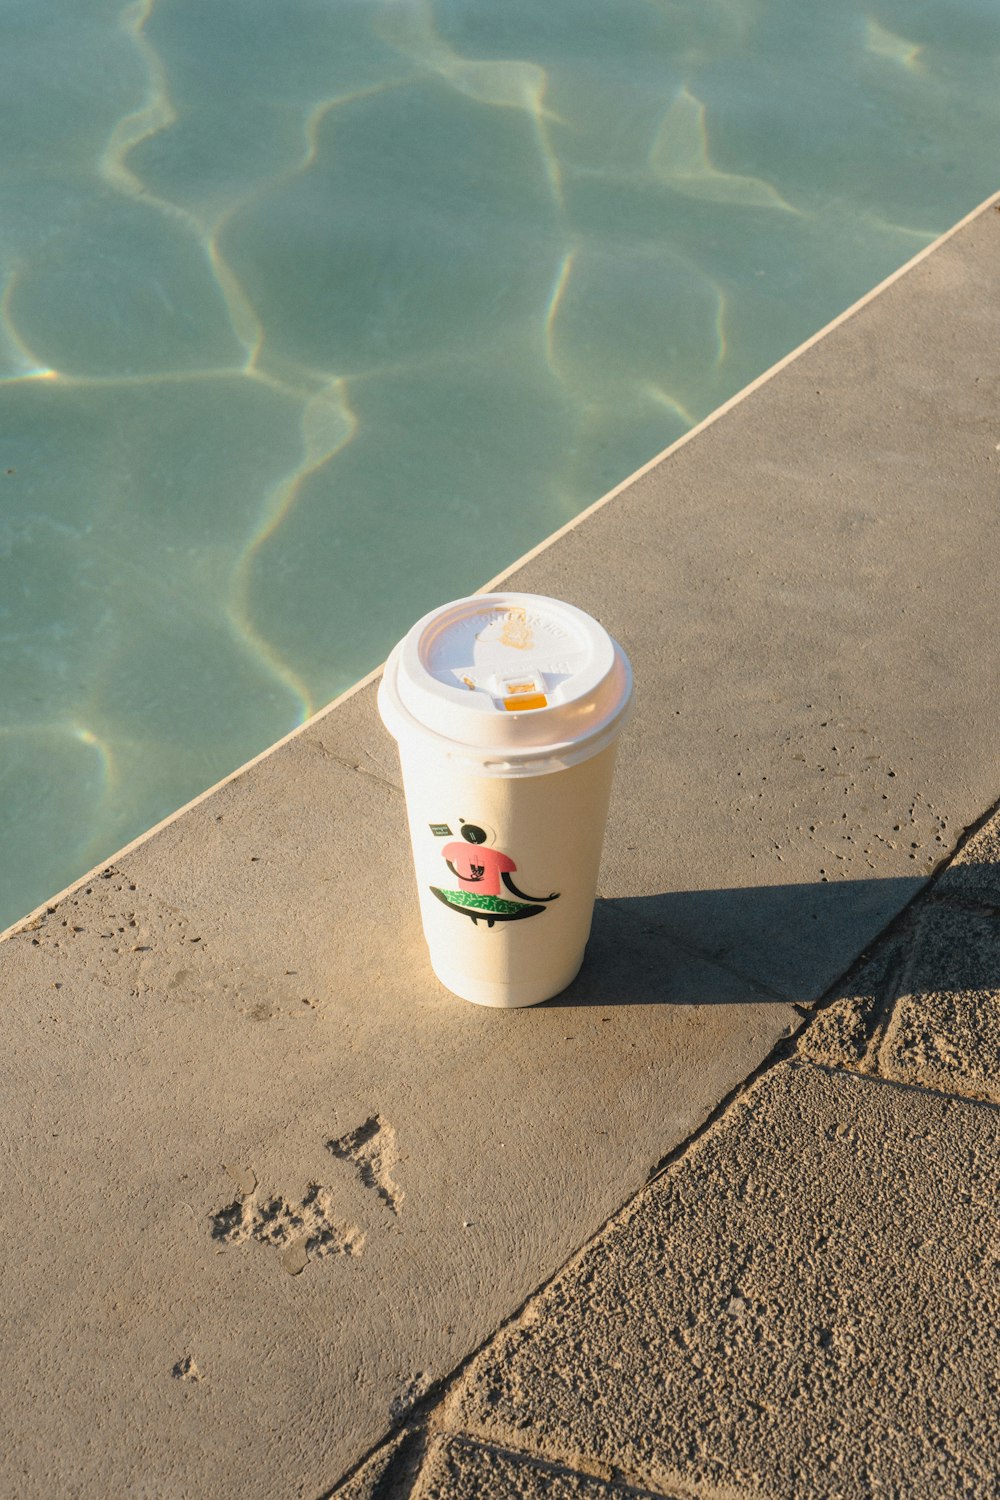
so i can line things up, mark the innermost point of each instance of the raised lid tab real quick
(514, 675)
(506, 651)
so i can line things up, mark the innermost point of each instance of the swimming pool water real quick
(318, 312)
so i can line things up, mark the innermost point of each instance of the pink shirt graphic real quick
(479, 868)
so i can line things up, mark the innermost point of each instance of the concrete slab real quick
(271, 1180)
(259, 1138)
(974, 874)
(803, 1305)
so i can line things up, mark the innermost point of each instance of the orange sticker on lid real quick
(525, 700)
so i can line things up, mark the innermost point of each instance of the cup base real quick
(505, 996)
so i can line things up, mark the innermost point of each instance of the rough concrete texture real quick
(389, 1469)
(457, 1469)
(974, 874)
(925, 1007)
(840, 1034)
(270, 1181)
(944, 1029)
(804, 1305)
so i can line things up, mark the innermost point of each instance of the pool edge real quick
(993, 200)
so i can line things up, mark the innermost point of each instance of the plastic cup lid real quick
(506, 678)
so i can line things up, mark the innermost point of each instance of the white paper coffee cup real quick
(506, 709)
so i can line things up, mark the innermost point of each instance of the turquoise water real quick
(318, 312)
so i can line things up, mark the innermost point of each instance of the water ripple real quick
(680, 157)
(895, 49)
(27, 365)
(327, 421)
(503, 83)
(328, 425)
(156, 114)
(669, 403)
(552, 310)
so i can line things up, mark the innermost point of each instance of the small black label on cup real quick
(440, 830)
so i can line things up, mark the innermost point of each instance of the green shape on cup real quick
(493, 908)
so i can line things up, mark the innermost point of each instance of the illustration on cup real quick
(481, 871)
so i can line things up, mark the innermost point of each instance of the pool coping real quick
(714, 416)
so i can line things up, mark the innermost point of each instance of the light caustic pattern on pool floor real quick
(318, 312)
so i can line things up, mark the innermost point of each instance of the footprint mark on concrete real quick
(371, 1149)
(302, 1231)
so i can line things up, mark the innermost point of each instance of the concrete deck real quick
(805, 1302)
(270, 1185)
